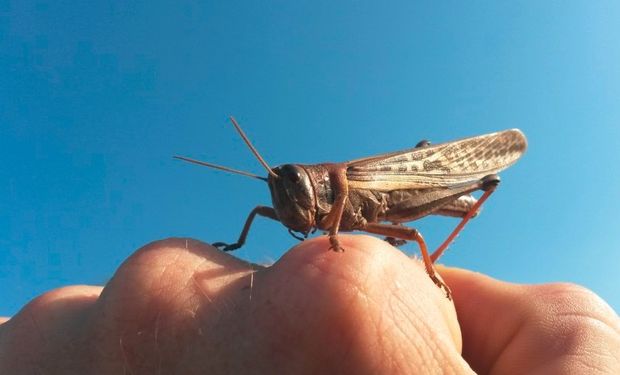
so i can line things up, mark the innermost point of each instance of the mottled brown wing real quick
(444, 164)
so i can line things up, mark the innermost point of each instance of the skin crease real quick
(179, 306)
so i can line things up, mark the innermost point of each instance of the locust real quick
(378, 194)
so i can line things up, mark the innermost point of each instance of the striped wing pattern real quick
(438, 165)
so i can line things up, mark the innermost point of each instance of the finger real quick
(181, 304)
(161, 302)
(42, 327)
(164, 274)
(551, 328)
(361, 309)
(52, 308)
(144, 319)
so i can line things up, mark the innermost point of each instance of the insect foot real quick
(226, 247)
(335, 244)
(442, 285)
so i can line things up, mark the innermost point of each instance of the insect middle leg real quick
(332, 220)
(406, 233)
(396, 242)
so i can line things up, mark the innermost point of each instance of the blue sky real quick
(95, 98)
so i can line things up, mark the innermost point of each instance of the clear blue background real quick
(95, 98)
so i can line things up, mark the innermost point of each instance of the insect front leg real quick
(258, 210)
(399, 231)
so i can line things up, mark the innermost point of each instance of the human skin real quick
(180, 306)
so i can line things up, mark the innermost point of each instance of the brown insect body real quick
(377, 194)
(304, 197)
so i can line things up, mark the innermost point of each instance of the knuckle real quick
(575, 308)
(153, 258)
(566, 293)
(154, 272)
(571, 318)
(163, 276)
(45, 301)
(41, 317)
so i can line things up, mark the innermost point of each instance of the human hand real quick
(181, 306)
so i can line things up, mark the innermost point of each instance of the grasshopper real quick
(377, 194)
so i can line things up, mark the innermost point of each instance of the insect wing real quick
(445, 164)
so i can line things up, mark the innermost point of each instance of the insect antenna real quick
(254, 151)
(222, 168)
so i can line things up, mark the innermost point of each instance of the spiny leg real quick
(399, 231)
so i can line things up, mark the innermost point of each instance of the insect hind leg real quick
(489, 184)
(423, 143)
(403, 232)
(458, 207)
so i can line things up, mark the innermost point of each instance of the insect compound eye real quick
(291, 172)
(296, 177)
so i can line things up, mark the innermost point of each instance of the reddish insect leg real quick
(338, 178)
(399, 231)
(490, 183)
(258, 210)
